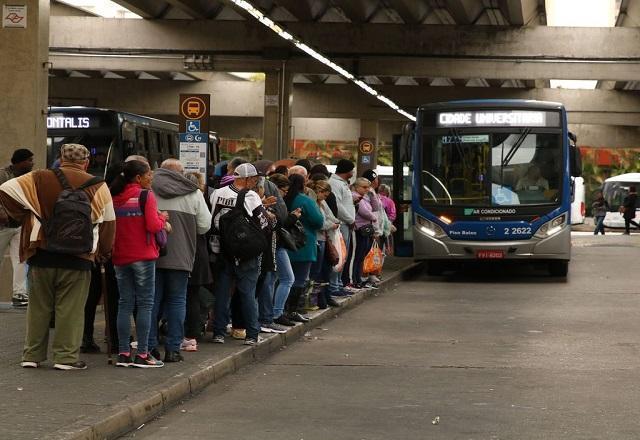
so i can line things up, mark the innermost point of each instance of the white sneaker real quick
(189, 345)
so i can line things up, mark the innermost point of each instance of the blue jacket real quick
(312, 220)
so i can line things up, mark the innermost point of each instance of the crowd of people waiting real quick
(249, 251)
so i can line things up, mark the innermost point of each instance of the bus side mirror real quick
(575, 161)
(408, 132)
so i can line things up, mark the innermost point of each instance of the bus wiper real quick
(514, 148)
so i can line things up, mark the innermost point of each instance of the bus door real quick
(401, 195)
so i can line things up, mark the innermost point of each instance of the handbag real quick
(286, 239)
(367, 230)
(331, 253)
(297, 232)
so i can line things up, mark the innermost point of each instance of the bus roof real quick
(628, 177)
(496, 103)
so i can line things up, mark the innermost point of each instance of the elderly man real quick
(189, 217)
(21, 163)
(58, 276)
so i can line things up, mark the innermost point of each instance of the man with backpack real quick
(68, 222)
(240, 229)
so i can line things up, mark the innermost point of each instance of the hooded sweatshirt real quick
(134, 229)
(188, 216)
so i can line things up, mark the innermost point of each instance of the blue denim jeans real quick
(317, 272)
(244, 277)
(599, 220)
(301, 271)
(170, 302)
(265, 298)
(136, 284)
(285, 281)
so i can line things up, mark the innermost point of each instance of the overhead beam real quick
(481, 42)
(301, 9)
(411, 11)
(190, 7)
(377, 66)
(465, 11)
(520, 12)
(358, 11)
(144, 8)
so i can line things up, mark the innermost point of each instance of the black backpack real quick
(241, 239)
(69, 230)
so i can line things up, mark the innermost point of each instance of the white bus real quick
(578, 208)
(614, 190)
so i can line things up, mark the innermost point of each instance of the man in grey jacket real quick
(339, 182)
(189, 217)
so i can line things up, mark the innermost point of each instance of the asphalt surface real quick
(493, 352)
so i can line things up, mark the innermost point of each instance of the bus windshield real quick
(614, 193)
(98, 147)
(515, 167)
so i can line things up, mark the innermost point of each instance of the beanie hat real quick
(344, 166)
(370, 175)
(20, 155)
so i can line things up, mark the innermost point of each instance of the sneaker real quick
(20, 301)
(273, 328)
(173, 356)
(218, 339)
(189, 345)
(252, 341)
(238, 333)
(373, 279)
(147, 362)
(29, 364)
(297, 317)
(155, 353)
(79, 365)
(283, 320)
(124, 360)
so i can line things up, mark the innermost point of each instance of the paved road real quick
(507, 353)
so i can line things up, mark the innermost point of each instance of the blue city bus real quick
(491, 180)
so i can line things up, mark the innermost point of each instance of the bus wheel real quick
(558, 268)
(435, 268)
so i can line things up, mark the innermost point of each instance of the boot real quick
(89, 345)
(292, 305)
(310, 298)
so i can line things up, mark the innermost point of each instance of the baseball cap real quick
(370, 175)
(245, 170)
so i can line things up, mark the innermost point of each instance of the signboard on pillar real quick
(367, 155)
(193, 121)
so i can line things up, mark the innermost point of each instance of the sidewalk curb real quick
(131, 414)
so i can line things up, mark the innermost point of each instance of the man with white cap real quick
(243, 274)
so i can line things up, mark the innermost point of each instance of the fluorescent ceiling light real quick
(573, 84)
(275, 27)
(580, 13)
(103, 8)
(249, 76)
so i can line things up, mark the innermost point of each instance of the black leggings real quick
(629, 221)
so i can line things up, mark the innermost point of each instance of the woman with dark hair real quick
(303, 258)
(135, 252)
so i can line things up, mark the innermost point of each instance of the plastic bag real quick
(373, 261)
(335, 237)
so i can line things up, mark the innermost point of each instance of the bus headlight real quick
(430, 228)
(551, 227)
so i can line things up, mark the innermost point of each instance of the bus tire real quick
(559, 268)
(435, 268)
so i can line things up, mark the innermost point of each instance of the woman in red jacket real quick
(134, 258)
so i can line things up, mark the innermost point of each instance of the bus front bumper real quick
(556, 247)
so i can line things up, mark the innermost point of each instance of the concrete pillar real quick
(277, 114)
(24, 82)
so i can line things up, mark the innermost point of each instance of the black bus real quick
(112, 135)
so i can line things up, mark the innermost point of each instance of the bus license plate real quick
(490, 254)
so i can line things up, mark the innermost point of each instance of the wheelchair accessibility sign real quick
(193, 126)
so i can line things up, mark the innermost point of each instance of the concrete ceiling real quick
(473, 43)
